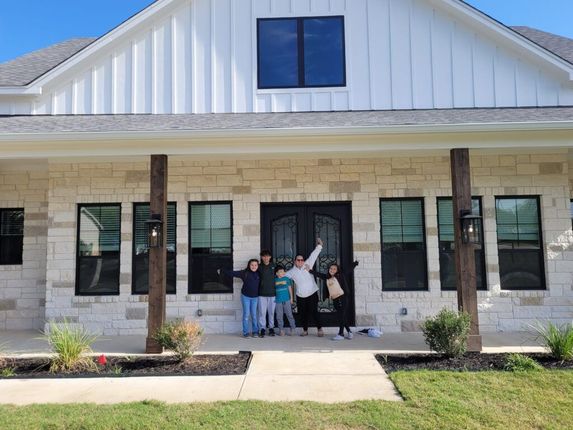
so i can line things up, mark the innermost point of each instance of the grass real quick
(433, 400)
(71, 344)
(557, 339)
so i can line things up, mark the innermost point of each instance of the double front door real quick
(290, 229)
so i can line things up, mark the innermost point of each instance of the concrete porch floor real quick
(30, 342)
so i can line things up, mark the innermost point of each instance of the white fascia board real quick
(497, 28)
(21, 91)
(102, 42)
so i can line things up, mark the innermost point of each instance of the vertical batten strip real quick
(233, 88)
(114, 83)
(133, 77)
(174, 90)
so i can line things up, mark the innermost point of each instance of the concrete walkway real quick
(282, 369)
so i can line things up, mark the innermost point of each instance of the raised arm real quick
(314, 254)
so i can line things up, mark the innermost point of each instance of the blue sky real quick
(27, 25)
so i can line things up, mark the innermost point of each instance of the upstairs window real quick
(301, 52)
(519, 242)
(11, 236)
(140, 279)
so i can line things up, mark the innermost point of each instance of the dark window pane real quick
(11, 236)
(403, 245)
(278, 53)
(210, 247)
(99, 275)
(323, 51)
(140, 280)
(204, 278)
(447, 246)
(519, 243)
(99, 238)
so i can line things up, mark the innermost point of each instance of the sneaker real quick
(262, 333)
(271, 332)
(304, 333)
(338, 337)
(253, 335)
(349, 335)
(320, 333)
(246, 335)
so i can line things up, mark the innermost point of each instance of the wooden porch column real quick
(464, 252)
(157, 256)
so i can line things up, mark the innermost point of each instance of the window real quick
(11, 236)
(140, 279)
(98, 249)
(448, 276)
(211, 247)
(571, 212)
(301, 52)
(519, 243)
(403, 245)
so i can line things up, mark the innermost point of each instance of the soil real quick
(473, 362)
(197, 365)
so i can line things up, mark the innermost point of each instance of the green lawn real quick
(434, 400)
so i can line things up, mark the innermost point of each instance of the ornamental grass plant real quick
(557, 339)
(71, 345)
(180, 336)
(521, 363)
(447, 332)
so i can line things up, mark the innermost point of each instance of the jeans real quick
(266, 307)
(341, 307)
(249, 310)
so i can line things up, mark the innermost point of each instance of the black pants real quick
(308, 306)
(341, 307)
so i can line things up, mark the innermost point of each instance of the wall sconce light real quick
(471, 227)
(154, 231)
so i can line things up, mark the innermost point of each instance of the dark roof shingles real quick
(559, 45)
(27, 68)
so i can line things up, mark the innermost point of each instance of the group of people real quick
(269, 290)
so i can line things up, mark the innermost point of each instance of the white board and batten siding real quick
(199, 56)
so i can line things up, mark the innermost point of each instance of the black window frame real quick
(78, 257)
(571, 210)
(483, 286)
(133, 250)
(8, 260)
(424, 233)
(541, 244)
(300, 53)
(227, 281)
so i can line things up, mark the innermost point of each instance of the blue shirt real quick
(281, 287)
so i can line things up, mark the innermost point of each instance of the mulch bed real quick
(197, 365)
(473, 362)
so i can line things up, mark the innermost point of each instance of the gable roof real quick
(559, 45)
(27, 68)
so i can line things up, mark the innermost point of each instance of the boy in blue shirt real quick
(284, 299)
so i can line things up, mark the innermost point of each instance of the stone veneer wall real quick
(23, 287)
(360, 180)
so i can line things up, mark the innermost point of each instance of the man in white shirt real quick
(306, 289)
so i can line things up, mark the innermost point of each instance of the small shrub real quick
(181, 337)
(521, 363)
(7, 372)
(71, 344)
(447, 333)
(557, 339)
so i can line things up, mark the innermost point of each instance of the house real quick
(283, 121)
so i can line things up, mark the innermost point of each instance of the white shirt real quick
(305, 283)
